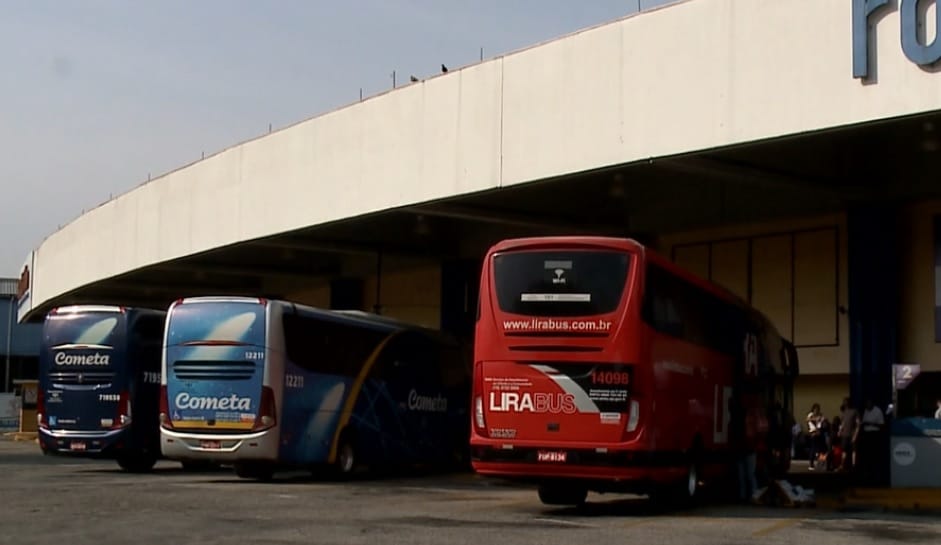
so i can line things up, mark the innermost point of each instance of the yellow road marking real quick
(780, 525)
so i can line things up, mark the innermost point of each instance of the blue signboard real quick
(914, 48)
(904, 374)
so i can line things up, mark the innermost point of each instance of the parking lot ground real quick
(60, 500)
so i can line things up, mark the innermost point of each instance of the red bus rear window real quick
(560, 283)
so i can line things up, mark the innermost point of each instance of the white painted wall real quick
(699, 74)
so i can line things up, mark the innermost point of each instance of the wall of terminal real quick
(919, 341)
(405, 288)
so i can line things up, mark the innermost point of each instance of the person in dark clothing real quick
(871, 445)
(744, 453)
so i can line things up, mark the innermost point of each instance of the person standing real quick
(745, 456)
(937, 414)
(869, 442)
(849, 422)
(816, 424)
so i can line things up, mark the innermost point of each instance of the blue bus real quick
(265, 384)
(99, 378)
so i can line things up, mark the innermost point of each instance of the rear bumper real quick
(624, 470)
(258, 446)
(86, 444)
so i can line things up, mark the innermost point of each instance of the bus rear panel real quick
(216, 402)
(552, 390)
(99, 375)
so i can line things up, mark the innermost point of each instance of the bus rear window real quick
(84, 330)
(560, 283)
(217, 322)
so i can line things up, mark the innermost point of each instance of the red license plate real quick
(210, 444)
(551, 456)
(78, 445)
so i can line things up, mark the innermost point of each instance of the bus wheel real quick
(689, 492)
(562, 495)
(137, 463)
(681, 493)
(346, 457)
(257, 471)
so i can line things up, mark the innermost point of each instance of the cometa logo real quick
(436, 404)
(22, 287)
(231, 403)
(96, 359)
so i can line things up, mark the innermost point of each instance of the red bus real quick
(602, 366)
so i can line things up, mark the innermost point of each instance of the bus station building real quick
(788, 151)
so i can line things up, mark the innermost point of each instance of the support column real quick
(874, 316)
(873, 302)
(460, 286)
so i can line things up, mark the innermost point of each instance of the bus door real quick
(323, 359)
(143, 367)
(85, 381)
(427, 399)
(392, 377)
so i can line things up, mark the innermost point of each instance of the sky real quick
(97, 95)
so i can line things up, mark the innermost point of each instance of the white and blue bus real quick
(99, 378)
(265, 384)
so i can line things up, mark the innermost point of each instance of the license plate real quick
(210, 444)
(551, 456)
(77, 445)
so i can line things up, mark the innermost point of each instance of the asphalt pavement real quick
(73, 501)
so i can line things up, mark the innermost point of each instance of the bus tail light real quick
(634, 417)
(480, 423)
(267, 417)
(41, 419)
(479, 414)
(124, 410)
(164, 409)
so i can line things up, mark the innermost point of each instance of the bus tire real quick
(347, 459)
(688, 491)
(137, 462)
(258, 471)
(684, 492)
(569, 495)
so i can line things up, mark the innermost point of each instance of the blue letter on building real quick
(862, 10)
(918, 53)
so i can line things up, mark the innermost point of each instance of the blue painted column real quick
(873, 311)
(873, 302)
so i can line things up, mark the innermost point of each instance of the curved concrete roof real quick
(699, 74)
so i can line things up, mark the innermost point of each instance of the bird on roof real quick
(413, 79)
(444, 68)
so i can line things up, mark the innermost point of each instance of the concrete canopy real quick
(709, 112)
